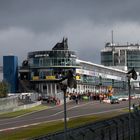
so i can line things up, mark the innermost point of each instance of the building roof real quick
(101, 66)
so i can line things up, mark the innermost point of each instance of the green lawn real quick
(22, 112)
(46, 128)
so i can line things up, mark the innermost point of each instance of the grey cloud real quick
(29, 25)
(48, 15)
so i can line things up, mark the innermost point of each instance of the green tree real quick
(3, 89)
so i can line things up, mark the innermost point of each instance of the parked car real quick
(114, 101)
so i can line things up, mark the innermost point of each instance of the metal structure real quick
(68, 81)
(131, 74)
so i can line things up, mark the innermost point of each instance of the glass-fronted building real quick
(125, 57)
(43, 70)
(121, 55)
(10, 72)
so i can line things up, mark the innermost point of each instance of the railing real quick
(113, 129)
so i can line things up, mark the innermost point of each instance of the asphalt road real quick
(56, 113)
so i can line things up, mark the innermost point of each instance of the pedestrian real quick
(76, 99)
(100, 98)
(133, 105)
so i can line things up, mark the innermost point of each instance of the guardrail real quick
(116, 128)
(6, 104)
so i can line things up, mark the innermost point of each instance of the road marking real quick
(100, 112)
(33, 124)
(70, 108)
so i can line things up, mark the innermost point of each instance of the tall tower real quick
(10, 72)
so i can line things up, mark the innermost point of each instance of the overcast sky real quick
(31, 25)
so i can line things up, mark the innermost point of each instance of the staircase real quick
(24, 86)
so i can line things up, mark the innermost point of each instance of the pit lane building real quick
(43, 69)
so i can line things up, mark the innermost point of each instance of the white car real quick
(106, 100)
(123, 98)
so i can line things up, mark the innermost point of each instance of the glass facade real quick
(98, 75)
(107, 58)
(127, 55)
(50, 65)
(52, 58)
(133, 59)
(10, 72)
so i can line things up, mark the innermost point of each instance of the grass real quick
(50, 127)
(22, 112)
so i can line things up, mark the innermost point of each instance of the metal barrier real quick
(116, 128)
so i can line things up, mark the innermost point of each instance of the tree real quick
(3, 89)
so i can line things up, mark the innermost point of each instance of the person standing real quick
(76, 99)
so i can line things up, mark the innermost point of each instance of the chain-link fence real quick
(114, 129)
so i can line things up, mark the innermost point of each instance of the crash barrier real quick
(116, 128)
(6, 104)
(27, 106)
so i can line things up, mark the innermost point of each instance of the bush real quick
(3, 89)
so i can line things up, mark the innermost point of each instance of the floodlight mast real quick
(131, 74)
(67, 81)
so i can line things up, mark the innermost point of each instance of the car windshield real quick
(114, 99)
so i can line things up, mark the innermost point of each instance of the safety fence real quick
(116, 128)
(6, 104)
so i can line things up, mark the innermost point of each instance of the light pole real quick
(129, 97)
(64, 89)
(68, 81)
(131, 74)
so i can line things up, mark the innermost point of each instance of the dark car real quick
(114, 101)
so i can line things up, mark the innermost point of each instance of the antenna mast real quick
(112, 37)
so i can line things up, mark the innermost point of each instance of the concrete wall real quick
(8, 103)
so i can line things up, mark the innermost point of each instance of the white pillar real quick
(55, 89)
(48, 89)
(51, 90)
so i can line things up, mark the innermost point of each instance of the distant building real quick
(10, 72)
(124, 57)
(121, 56)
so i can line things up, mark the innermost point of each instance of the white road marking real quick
(80, 105)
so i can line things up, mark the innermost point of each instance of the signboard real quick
(50, 78)
(35, 77)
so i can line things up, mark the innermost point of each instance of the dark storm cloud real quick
(48, 15)
(29, 25)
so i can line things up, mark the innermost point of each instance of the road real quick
(56, 113)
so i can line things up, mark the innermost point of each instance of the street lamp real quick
(131, 74)
(68, 81)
